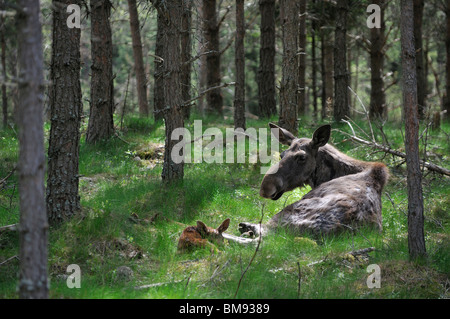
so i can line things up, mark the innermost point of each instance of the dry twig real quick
(254, 254)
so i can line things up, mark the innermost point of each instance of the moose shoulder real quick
(346, 192)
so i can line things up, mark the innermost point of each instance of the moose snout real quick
(271, 187)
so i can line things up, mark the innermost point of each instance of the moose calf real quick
(201, 236)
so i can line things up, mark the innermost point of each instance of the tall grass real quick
(129, 218)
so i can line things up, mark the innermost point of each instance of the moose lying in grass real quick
(346, 193)
(202, 236)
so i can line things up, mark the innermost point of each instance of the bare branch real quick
(254, 254)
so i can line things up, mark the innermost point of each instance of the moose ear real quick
(224, 226)
(284, 136)
(321, 136)
(202, 228)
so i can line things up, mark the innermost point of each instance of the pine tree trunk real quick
(447, 67)
(239, 88)
(5, 79)
(341, 74)
(420, 71)
(327, 75)
(138, 59)
(302, 60)
(186, 56)
(266, 71)
(171, 16)
(289, 82)
(158, 97)
(101, 125)
(314, 66)
(377, 107)
(416, 240)
(65, 115)
(213, 78)
(33, 229)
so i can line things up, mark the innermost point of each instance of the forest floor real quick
(130, 219)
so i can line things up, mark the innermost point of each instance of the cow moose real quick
(346, 192)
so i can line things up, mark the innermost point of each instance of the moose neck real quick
(331, 164)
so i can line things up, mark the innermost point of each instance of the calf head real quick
(297, 163)
(214, 235)
(202, 235)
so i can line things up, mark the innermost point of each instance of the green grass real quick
(129, 218)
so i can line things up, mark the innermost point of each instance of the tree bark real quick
(63, 200)
(201, 84)
(213, 78)
(138, 59)
(302, 60)
(420, 71)
(377, 108)
(447, 67)
(327, 75)
(239, 88)
(101, 125)
(341, 74)
(3, 60)
(416, 240)
(266, 71)
(314, 65)
(33, 227)
(289, 83)
(158, 97)
(170, 12)
(186, 56)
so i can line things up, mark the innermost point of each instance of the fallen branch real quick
(12, 227)
(7, 176)
(362, 251)
(10, 258)
(158, 284)
(384, 148)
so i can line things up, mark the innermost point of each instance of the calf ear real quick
(284, 136)
(224, 226)
(202, 228)
(321, 136)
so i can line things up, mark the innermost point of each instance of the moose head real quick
(297, 163)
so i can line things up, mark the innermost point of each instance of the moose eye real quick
(282, 154)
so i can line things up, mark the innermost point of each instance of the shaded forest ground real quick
(130, 219)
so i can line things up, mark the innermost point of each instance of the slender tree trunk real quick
(101, 125)
(170, 12)
(266, 71)
(5, 79)
(213, 78)
(377, 107)
(341, 74)
(289, 83)
(186, 48)
(63, 200)
(314, 66)
(201, 64)
(302, 60)
(327, 74)
(447, 67)
(416, 240)
(158, 97)
(418, 15)
(138, 59)
(33, 229)
(239, 88)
